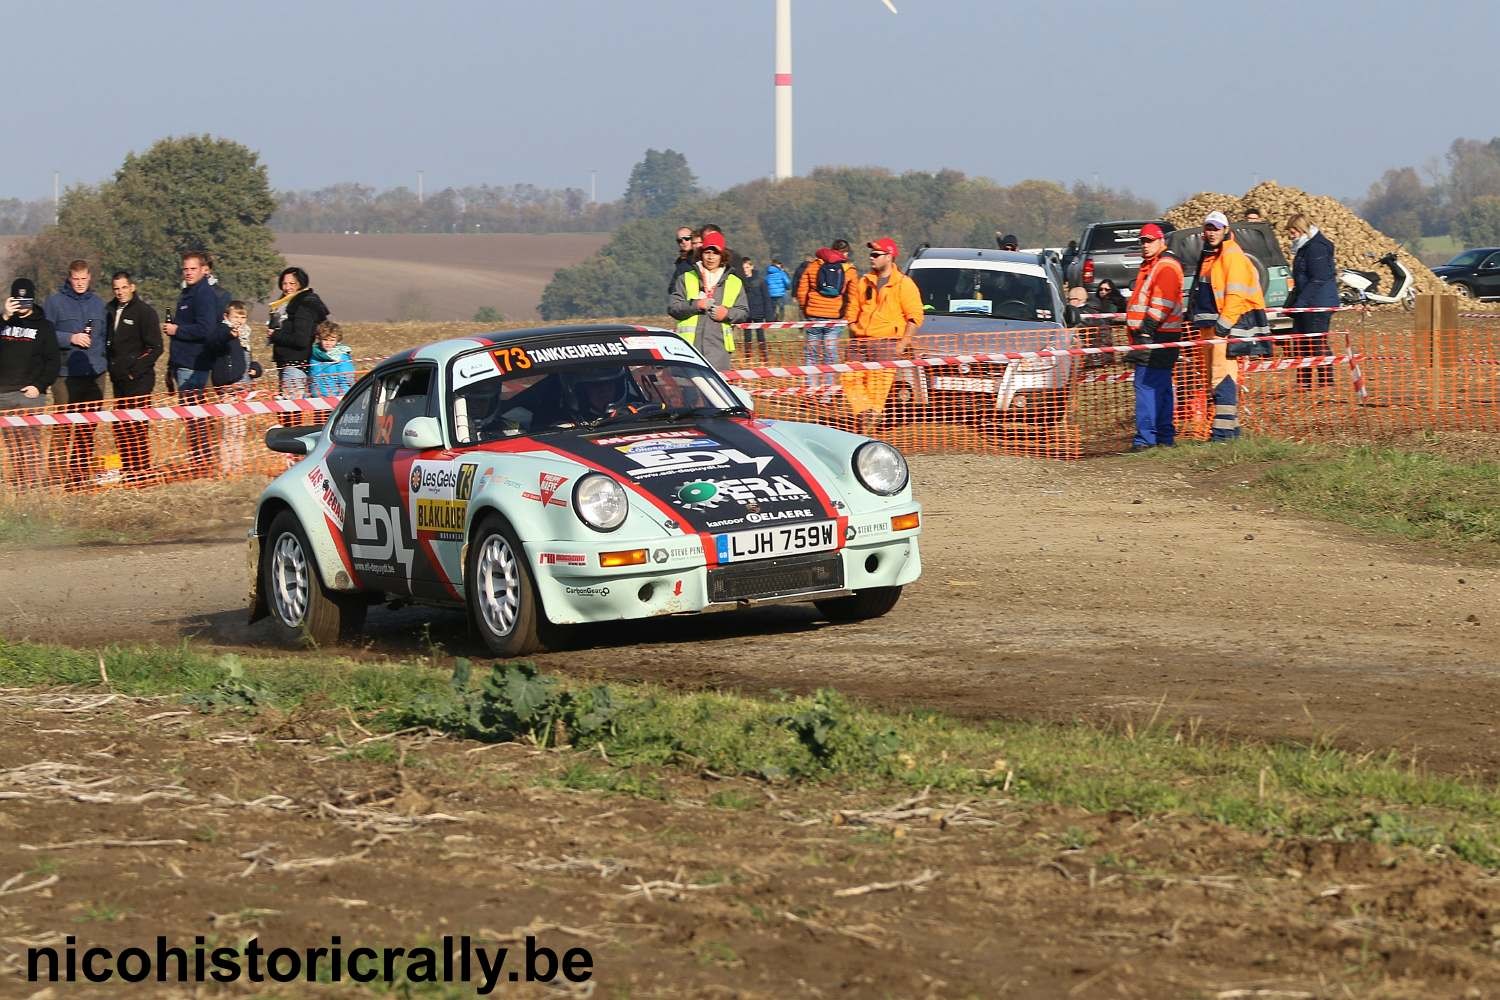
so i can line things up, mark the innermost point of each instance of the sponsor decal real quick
(648, 436)
(442, 517)
(659, 555)
(661, 345)
(776, 515)
(640, 446)
(873, 528)
(676, 552)
(698, 493)
(573, 352)
(378, 529)
(432, 478)
(546, 491)
(726, 522)
(464, 489)
(587, 591)
(320, 485)
(486, 476)
(677, 588)
(660, 463)
(474, 368)
(777, 488)
(561, 559)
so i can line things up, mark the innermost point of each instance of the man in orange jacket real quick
(1154, 316)
(823, 293)
(885, 310)
(1228, 304)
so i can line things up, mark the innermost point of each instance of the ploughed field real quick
(1111, 591)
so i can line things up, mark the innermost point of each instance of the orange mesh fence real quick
(1042, 393)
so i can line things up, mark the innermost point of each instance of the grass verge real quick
(1163, 769)
(1424, 495)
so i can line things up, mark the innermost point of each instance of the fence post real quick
(1435, 341)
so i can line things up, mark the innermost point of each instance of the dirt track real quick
(1050, 591)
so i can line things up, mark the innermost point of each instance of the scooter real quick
(1358, 285)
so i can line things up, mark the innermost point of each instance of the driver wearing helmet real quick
(595, 393)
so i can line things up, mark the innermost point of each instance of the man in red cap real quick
(707, 301)
(1154, 316)
(885, 310)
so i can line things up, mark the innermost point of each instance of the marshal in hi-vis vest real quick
(687, 329)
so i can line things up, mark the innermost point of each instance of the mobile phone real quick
(23, 304)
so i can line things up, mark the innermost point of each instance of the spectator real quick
(811, 260)
(684, 262)
(294, 319)
(1227, 303)
(758, 303)
(1252, 215)
(29, 362)
(1068, 256)
(707, 301)
(885, 310)
(823, 293)
(777, 284)
(231, 381)
(221, 294)
(1154, 316)
(133, 346)
(1008, 241)
(77, 317)
(1111, 300)
(1313, 285)
(197, 338)
(732, 259)
(332, 362)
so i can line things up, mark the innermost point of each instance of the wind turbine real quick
(783, 86)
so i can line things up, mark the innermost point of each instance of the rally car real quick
(549, 477)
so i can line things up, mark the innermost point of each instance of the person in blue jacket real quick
(1314, 283)
(77, 316)
(198, 335)
(778, 283)
(332, 367)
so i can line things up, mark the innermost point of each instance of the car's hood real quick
(945, 335)
(979, 323)
(715, 474)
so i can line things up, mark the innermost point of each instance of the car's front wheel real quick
(502, 599)
(861, 605)
(1462, 290)
(298, 601)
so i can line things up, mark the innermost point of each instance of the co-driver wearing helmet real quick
(596, 393)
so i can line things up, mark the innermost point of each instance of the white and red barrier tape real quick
(1269, 312)
(791, 325)
(196, 411)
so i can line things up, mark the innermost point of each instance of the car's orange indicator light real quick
(630, 557)
(906, 522)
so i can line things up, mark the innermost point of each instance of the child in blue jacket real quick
(332, 367)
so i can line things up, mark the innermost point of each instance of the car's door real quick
(377, 529)
(1487, 277)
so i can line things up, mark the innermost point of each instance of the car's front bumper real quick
(677, 580)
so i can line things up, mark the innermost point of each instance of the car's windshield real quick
(1467, 259)
(488, 404)
(967, 291)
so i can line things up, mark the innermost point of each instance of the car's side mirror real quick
(422, 434)
(292, 440)
(746, 400)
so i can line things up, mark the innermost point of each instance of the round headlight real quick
(600, 502)
(880, 468)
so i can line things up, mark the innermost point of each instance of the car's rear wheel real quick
(861, 605)
(502, 598)
(299, 602)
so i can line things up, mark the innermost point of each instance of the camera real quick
(24, 304)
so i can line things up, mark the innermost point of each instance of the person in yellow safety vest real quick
(707, 301)
(1228, 303)
(884, 311)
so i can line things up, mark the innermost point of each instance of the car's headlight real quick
(600, 502)
(880, 468)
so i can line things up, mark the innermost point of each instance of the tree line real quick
(1458, 197)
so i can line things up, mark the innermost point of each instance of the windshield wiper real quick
(737, 410)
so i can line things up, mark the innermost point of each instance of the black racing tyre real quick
(299, 603)
(861, 605)
(1462, 290)
(500, 592)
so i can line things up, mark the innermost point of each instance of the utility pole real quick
(56, 195)
(419, 187)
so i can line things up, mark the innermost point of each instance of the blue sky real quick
(1323, 95)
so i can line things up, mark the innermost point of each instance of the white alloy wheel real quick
(499, 583)
(290, 580)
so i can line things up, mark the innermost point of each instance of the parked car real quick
(985, 302)
(1473, 274)
(1109, 250)
(1258, 240)
(572, 474)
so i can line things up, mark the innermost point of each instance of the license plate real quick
(763, 543)
(954, 383)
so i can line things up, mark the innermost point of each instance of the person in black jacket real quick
(29, 362)
(1314, 283)
(758, 301)
(294, 321)
(197, 339)
(132, 347)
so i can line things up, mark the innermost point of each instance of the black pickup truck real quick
(1109, 250)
